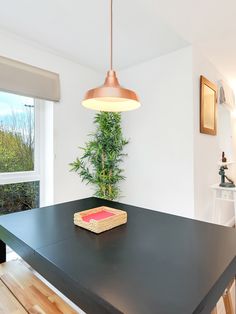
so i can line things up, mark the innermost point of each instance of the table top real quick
(156, 263)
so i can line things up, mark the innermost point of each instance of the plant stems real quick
(102, 156)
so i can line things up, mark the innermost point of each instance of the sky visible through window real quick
(13, 109)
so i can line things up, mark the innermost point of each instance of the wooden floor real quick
(8, 303)
(22, 292)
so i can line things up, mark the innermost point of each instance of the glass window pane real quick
(17, 133)
(19, 196)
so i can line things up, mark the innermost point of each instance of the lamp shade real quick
(111, 96)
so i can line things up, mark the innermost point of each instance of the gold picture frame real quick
(208, 107)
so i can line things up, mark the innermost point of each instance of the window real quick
(19, 153)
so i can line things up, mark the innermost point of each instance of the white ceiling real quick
(208, 24)
(79, 29)
(143, 29)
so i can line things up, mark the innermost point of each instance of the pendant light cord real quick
(111, 34)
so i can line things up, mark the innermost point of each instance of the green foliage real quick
(15, 154)
(100, 163)
(18, 196)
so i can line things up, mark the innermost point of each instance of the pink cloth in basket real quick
(98, 216)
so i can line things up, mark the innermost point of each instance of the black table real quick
(156, 263)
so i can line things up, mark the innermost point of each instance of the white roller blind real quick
(23, 79)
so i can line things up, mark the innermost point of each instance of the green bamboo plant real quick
(100, 162)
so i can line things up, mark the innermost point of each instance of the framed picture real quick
(208, 101)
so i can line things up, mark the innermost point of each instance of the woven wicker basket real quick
(117, 217)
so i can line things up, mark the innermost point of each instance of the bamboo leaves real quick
(100, 162)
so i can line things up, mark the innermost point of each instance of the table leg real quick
(214, 311)
(215, 217)
(235, 209)
(227, 298)
(2, 252)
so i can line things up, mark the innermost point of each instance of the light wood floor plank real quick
(35, 296)
(8, 303)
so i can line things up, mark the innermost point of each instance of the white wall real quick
(207, 149)
(72, 122)
(159, 167)
(233, 124)
(171, 165)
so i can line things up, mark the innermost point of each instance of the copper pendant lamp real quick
(111, 96)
